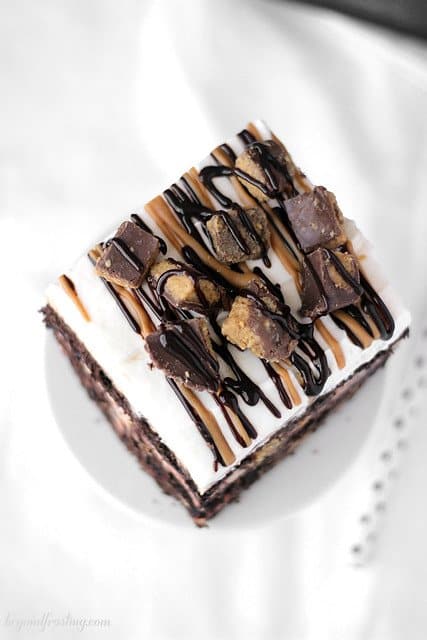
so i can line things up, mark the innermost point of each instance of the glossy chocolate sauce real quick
(308, 358)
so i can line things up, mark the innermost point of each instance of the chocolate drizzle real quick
(274, 289)
(179, 269)
(304, 333)
(187, 207)
(225, 148)
(198, 422)
(121, 305)
(308, 358)
(373, 304)
(312, 384)
(228, 399)
(370, 303)
(207, 176)
(193, 258)
(277, 381)
(282, 316)
(126, 253)
(246, 137)
(344, 327)
(187, 346)
(241, 384)
(268, 163)
(345, 275)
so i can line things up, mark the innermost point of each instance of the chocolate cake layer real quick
(159, 461)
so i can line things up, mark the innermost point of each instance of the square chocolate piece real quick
(186, 288)
(251, 325)
(128, 256)
(269, 170)
(316, 220)
(330, 281)
(239, 234)
(183, 351)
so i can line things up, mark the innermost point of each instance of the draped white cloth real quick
(103, 104)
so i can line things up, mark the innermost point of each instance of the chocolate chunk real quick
(183, 351)
(239, 234)
(186, 288)
(128, 256)
(330, 281)
(316, 220)
(267, 170)
(252, 324)
(259, 290)
(265, 296)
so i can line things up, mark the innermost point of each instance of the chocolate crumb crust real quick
(159, 461)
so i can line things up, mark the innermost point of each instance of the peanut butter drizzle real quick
(360, 333)
(281, 229)
(287, 259)
(289, 385)
(303, 183)
(159, 210)
(211, 424)
(332, 342)
(285, 256)
(167, 231)
(68, 285)
(360, 258)
(141, 316)
(254, 131)
(128, 298)
(372, 325)
(245, 198)
(199, 188)
(147, 326)
(239, 427)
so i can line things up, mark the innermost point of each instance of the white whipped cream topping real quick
(121, 354)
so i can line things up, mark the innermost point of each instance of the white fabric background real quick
(102, 104)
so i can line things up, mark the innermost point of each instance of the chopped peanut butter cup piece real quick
(265, 169)
(261, 327)
(239, 234)
(330, 281)
(128, 256)
(183, 351)
(186, 288)
(316, 220)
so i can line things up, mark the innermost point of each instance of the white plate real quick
(297, 481)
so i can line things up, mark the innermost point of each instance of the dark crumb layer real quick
(157, 459)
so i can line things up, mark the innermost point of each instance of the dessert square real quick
(218, 324)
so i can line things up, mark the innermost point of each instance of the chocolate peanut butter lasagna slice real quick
(218, 324)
